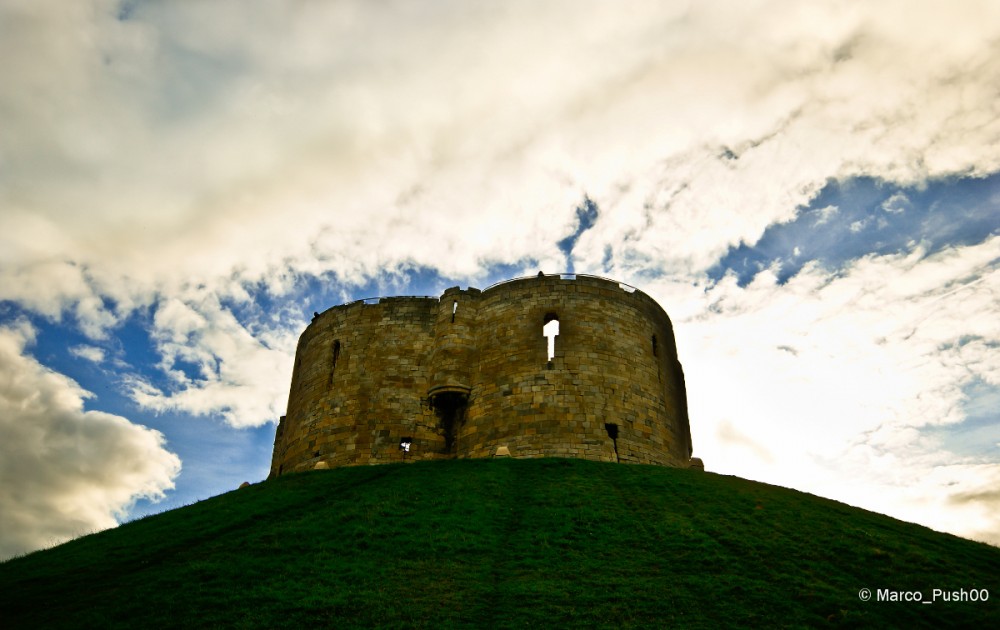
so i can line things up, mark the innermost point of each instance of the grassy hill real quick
(503, 543)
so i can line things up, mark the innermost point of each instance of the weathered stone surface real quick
(411, 378)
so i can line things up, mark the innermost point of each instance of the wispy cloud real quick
(825, 214)
(230, 372)
(334, 134)
(89, 353)
(834, 381)
(897, 203)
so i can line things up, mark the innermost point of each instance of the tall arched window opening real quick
(550, 329)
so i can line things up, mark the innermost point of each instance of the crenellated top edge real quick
(627, 288)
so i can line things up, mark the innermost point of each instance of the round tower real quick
(545, 366)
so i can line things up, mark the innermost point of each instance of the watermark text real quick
(933, 596)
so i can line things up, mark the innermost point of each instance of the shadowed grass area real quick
(503, 543)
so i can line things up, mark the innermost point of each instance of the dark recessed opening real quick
(334, 357)
(405, 443)
(450, 407)
(612, 430)
(656, 350)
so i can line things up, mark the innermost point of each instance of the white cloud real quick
(831, 382)
(898, 203)
(824, 92)
(197, 144)
(89, 353)
(66, 471)
(241, 375)
(825, 214)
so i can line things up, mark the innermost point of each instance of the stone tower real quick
(470, 374)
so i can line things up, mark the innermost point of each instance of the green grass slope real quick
(503, 543)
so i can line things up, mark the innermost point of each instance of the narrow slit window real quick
(405, 443)
(334, 357)
(550, 330)
(454, 309)
(656, 349)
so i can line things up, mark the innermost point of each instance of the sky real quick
(810, 190)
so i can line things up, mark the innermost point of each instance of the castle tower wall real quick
(359, 387)
(469, 373)
(452, 361)
(605, 372)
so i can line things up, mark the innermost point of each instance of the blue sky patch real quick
(865, 216)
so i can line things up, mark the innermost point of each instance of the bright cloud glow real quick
(833, 379)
